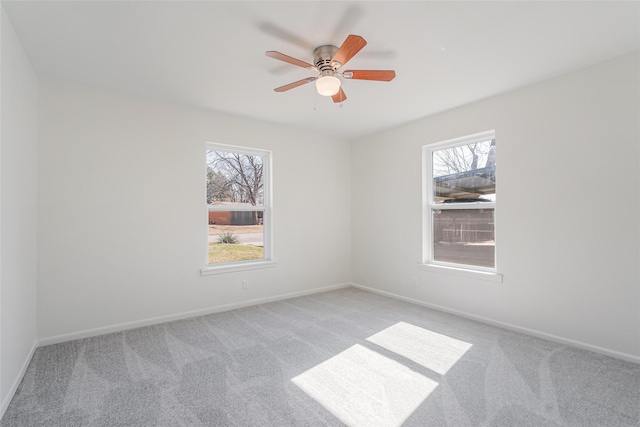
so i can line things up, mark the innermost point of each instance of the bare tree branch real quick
(462, 158)
(243, 176)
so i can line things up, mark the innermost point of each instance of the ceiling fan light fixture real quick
(328, 85)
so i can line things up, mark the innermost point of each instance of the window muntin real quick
(238, 205)
(460, 196)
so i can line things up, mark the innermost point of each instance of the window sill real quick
(236, 266)
(464, 272)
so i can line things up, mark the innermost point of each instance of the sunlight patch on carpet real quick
(432, 350)
(364, 388)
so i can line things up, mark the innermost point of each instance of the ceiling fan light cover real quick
(328, 85)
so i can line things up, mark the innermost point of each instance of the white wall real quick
(568, 238)
(18, 212)
(122, 220)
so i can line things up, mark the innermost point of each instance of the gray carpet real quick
(345, 357)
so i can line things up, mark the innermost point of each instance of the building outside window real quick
(460, 202)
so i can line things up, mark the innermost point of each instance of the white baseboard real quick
(493, 322)
(16, 382)
(179, 316)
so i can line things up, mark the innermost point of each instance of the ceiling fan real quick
(327, 60)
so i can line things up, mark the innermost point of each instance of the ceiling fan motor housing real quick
(322, 59)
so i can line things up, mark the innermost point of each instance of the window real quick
(238, 208)
(460, 203)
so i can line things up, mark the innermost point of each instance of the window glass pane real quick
(235, 236)
(464, 236)
(236, 204)
(465, 173)
(234, 177)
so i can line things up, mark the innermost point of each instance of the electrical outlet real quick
(245, 285)
(413, 283)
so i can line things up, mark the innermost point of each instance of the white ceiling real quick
(210, 54)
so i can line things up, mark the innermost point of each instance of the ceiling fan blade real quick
(295, 84)
(349, 48)
(351, 16)
(283, 34)
(339, 97)
(379, 75)
(282, 57)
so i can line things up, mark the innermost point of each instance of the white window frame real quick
(428, 206)
(267, 215)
